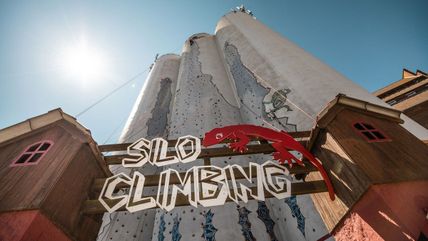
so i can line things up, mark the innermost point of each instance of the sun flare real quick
(83, 62)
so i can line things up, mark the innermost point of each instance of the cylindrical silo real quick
(149, 118)
(286, 71)
(205, 100)
(264, 96)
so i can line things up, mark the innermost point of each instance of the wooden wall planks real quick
(58, 185)
(348, 180)
(401, 159)
(64, 202)
(419, 113)
(25, 187)
(354, 164)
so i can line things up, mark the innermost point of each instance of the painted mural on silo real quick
(149, 118)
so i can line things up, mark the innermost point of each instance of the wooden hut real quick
(379, 171)
(47, 166)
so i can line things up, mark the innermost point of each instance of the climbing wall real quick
(265, 102)
(204, 100)
(149, 118)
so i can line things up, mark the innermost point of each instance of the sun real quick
(83, 62)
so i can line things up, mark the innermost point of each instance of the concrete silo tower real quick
(149, 118)
(244, 73)
(278, 84)
(254, 52)
(205, 100)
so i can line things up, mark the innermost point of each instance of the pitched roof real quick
(9, 133)
(342, 101)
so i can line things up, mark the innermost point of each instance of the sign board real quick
(205, 185)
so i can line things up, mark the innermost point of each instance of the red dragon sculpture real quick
(281, 142)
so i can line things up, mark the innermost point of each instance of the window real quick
(410, 94)
(370, 132)
(33, 153)
(392, 102)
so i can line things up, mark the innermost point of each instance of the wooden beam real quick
(207, 161)
(95, 207)
(206, 153)
(171, 143)
(153, 180)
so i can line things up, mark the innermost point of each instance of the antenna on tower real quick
(242, 9)
(156, 58)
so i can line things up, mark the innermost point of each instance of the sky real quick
(42, 44)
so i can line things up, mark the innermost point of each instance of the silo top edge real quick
(169, 56)
(199, 35)
(225, 20)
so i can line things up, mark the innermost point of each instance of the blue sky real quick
(367, 41)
